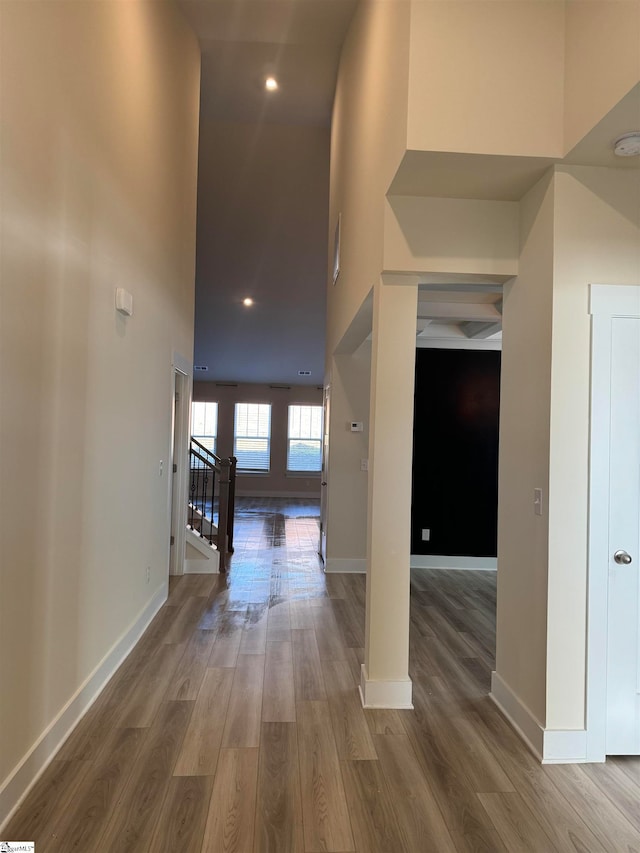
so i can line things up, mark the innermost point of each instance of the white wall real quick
(98, 170)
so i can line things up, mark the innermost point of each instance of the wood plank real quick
(278, 701)
(326, 817)
(373, 818)
(184, 815)
(421, 822)
(187, 618)
(279, 804)
(618, 787)
(350, 729)
(383, 721)
(554, 812)
(254, 633)
(143, 702)
(242, 728)
(190, 671)
(515, 823)
(604, 819)
(307, 670)
(88, 814)
(301, 614)
(279, 624)
(231, 818)
(328, 635)
(201, 745)
(136, 814)
(41, 815)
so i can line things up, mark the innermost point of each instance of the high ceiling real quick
(263, 190)
(264, 184)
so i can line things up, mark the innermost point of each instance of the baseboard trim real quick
(565, 746)
(24, 776)
(346, 565)
(550, 746)
(385, 694)
(435, 561)
(518, 715)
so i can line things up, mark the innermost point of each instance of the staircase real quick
(211, 507)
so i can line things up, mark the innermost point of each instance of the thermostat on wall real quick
(356, 426)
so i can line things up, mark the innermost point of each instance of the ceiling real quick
(263, 191)
(263, 185)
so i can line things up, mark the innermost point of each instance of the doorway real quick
(179, 474)
(613, 693)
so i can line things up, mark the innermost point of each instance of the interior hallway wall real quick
(99, 141)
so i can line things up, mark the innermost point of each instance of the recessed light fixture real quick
(248, 302)
(627, 145)
(271, 84)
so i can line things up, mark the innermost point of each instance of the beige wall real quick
(277, 481)
(347, 490)
(486, 77)
(524, 456)
(98, 170)
(580, 225)
(602, 64)
(451, 235)
(596, 240)
(368, 140)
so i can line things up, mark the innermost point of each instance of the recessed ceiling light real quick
(248, 301)
(627, 145)
(271, 84)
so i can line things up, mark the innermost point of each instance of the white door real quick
(613, 682)
(623, 647)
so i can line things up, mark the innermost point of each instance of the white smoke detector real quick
(627, 145)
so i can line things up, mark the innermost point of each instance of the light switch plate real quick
(537, 501)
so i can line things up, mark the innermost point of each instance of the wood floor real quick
(235, 725)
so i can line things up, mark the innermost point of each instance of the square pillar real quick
(385, 681)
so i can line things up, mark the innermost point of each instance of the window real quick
(252, 436)
(204, 424)
(304, 444)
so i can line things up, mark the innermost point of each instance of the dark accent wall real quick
(455, 452)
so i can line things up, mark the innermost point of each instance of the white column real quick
(385, 679)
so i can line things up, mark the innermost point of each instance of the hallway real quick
(236, 725)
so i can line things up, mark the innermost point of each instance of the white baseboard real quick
(385, 694)
(434, 561)
(24, 776)
(517, 713)
(550, 746)
(565, 746)
(348, 565)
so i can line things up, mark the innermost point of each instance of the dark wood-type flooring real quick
(235, 725)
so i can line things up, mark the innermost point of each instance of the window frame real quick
(252, 472)
(295, 472)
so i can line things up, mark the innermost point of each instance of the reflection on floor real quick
(235, 725)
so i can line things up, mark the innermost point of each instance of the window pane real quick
(252, 434)
(304, 455)
(204, 423)
(304, 451)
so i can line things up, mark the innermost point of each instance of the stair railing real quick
(213, 480)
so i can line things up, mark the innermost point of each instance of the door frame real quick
(181, 382)
(605, 302)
